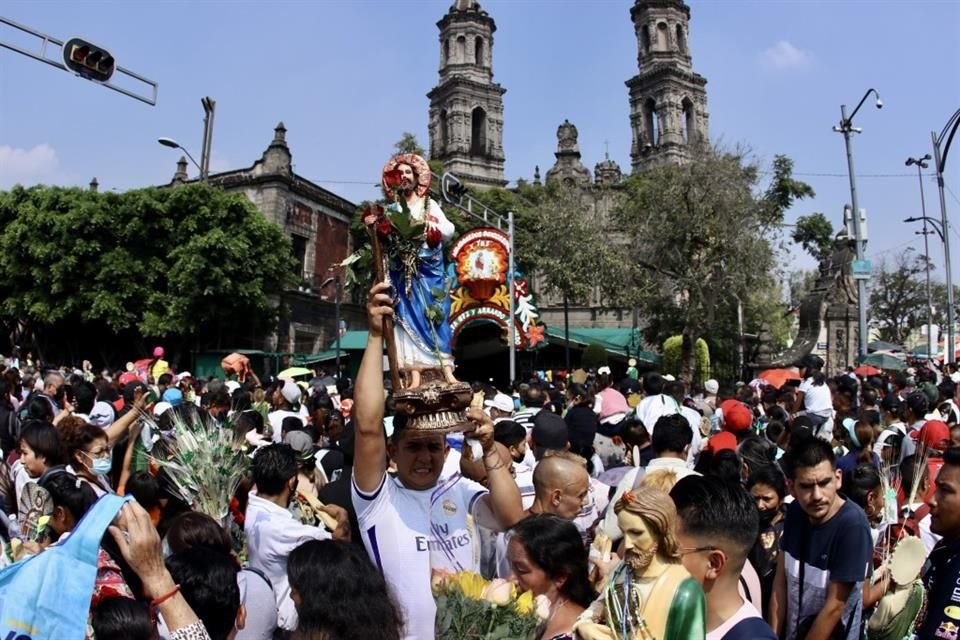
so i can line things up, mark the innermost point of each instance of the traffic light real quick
(88, 60)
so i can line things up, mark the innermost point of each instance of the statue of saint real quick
(421, 296)
(649, 595)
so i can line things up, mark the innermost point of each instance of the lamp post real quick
(846, 128)
(209, 105)
(335, 279)
(922, 164)
(939, 161)
(173, 144)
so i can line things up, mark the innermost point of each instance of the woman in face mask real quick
(88, 452)
(768, 487)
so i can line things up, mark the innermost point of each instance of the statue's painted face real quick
(409, 177)
(640, 541)
(637, 536)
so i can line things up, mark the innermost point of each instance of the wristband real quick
(158, 601)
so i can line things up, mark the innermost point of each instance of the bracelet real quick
(158, 601)
(499, 464)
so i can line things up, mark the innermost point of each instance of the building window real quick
(444, 131)
(478, 52)
(446, 50)
(645, 38)
(651, 121)
(478, 129)
(689, 128)
(300, 253)
(461, 49)
(681, 39)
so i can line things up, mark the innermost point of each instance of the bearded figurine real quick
(421, 305)
(649, 595)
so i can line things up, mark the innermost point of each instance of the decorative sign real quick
(862, 269)
(481, 260)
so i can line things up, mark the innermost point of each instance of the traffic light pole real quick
(48, 45)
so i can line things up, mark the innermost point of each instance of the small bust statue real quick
(649, 595)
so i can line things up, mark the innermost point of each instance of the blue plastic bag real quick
(47, 596)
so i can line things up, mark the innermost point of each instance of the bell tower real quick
(668, 99)
(466, 107)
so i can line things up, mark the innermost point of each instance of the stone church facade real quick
(668, 116)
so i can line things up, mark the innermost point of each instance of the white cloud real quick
(29, 166)
(785, 55)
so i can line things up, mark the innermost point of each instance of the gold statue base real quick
(435, 406)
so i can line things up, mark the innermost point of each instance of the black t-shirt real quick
(839, 550)
(941, 576)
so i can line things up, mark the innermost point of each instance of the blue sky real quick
(348, 77)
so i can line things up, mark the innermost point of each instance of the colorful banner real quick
(481, 260)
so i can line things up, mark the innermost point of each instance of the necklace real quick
(559, 604)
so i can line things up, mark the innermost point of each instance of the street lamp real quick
(173, 144)
(922, 164)
(209, 107)
(939, 161)
(335, 279)
(860, 272)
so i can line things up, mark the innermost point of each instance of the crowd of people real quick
(791, 504)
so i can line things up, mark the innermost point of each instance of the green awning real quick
(618, 341)
(621, 342)
(350, 341)
(304, 359)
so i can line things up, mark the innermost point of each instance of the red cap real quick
(935, 434)
(723, 441)
(736, 415)
(127, 377)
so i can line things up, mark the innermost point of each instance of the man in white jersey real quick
(409, 522)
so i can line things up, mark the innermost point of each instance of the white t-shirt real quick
(272, 533)
(747, 610)
(401, 527)
(276, 421)
(817, 398)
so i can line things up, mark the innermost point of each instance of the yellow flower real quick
(471, 584)
(524, 603)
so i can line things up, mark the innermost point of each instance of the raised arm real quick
(502, 507)
(370, 449)
(116, 430)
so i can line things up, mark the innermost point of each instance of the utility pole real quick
(940, 160)
(921, 165)
(209, 105)
(861, 270)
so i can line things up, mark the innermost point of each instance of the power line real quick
(892, 249)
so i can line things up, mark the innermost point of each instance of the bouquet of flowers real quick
(471, 608)
(205, 462)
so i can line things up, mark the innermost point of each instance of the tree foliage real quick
(697, 234)
(191, 262)
(408, 144)
(815, 234)
(898, 297)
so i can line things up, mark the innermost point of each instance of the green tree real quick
(815, 234)
(898, 297)
(192, 265)
(408, 144)
(594, 356)
(696, 234)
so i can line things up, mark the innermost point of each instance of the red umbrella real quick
(778, 377)
(865, 370)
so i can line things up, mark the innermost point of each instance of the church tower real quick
(668, 100)
(466, 107)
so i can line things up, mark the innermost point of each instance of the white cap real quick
(160, 408)
(183, 376)
(669, 378)
(711, 386)
(231, 385)
(290, 392)
(501, 401)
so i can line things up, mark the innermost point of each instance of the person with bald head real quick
(561, 485)
(561, 488)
